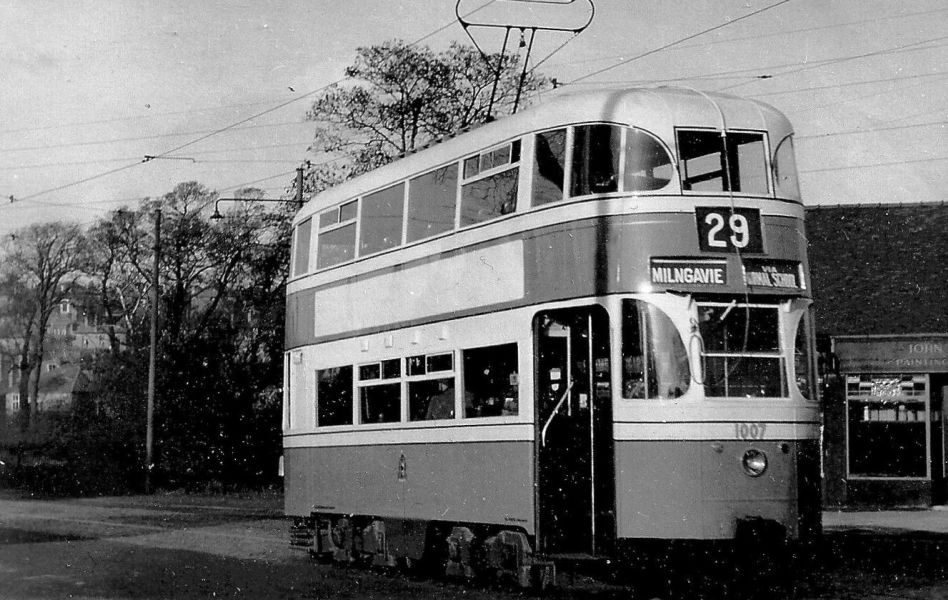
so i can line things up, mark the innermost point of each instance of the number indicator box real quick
(722, 229)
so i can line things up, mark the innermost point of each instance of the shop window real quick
(334, 396)
(491, 381)
(595, 164)
(431, 387)
(654, 361)
(549, 168)
(887, 417)
(380, 392)
(741, 350)
(432, 198)
(381, 220)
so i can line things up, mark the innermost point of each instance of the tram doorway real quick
(575, 487)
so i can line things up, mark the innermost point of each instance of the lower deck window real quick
(431, 399)
(431, 388)
(491, 381)
(741, 350)
(381, 403)
(654, 361)
(334, 396)
(380, 391)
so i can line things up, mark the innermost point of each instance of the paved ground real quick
(928, 521)
(188, 547)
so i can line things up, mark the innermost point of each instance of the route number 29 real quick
(736, 223)
(750, 431)
(723, 229)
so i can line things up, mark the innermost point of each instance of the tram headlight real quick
(754, 462)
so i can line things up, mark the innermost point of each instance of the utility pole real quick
(152, 355)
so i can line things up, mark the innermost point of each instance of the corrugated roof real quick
(879, 269)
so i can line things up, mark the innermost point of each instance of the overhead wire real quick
(782, 32)
(808, 67)
(868, 130)
(874, 165)
(680, 41)
(219, 130)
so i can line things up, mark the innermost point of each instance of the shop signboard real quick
(892, 354)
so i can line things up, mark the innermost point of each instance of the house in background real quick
(72, 336)
(880, 285)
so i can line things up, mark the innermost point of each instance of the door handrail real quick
(556, 411)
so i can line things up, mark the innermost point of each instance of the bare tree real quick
(42, 262)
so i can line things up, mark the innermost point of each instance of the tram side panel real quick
(471, 482)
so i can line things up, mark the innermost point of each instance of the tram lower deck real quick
(592, 440)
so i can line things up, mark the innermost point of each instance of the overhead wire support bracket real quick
(523, 27)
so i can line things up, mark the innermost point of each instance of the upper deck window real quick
(432, 198)
(336, 241)
(594, 157)
(648, 166)
(303, 234)
(492, 192)
(706, 167)
(785, 170)
(549, 167)
(507, 154)
(595, 164)
(382, 220)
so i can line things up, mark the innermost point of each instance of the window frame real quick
(780, 354)
(482, 174)
(297, 272)
(727, 189)
(380, 381)
(461, 414)
(360, 222)
(431, 375)
(337, 225)
(316, 401)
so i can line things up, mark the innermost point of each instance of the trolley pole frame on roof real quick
(523, 27)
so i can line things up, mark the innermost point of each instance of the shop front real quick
(887, 418)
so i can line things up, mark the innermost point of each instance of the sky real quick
(89, 88)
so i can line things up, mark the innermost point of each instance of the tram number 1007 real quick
(750, 431)
(722, 229)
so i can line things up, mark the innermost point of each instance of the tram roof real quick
(656, 110)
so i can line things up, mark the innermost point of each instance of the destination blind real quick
(690, 272)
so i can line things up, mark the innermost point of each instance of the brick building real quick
(879, 277)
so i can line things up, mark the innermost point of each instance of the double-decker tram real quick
(579, 331)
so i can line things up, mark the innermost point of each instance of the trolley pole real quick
(152, 355)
